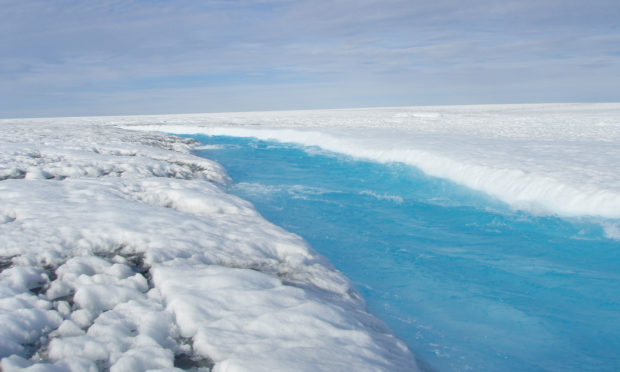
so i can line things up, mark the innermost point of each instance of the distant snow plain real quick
(121, 250)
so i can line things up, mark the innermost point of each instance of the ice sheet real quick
(119, 249)
(553, 158)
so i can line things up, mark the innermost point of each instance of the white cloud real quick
(70, 47)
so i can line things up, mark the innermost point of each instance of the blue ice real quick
(466, 282)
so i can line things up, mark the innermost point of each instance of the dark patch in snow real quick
(6, 262)
(190, 361)
(38, 351)
(38, 289)
(7, 219)
(102, 365)
(136, 261)
(50, 272)
(17, 174)
(34, 349)
(194, 168)
(67, 298)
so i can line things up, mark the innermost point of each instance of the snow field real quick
(548, 158)
(121, 251)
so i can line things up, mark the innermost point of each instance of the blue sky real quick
(72, 58)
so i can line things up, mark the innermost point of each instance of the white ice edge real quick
(519, 188)
(120, 250)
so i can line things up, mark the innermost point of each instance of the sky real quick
(104, 57)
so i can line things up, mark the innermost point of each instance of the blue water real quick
(465, 281)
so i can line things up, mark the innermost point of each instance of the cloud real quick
(57, 51)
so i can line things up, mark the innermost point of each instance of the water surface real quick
(466, 282)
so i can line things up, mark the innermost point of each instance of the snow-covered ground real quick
(120, 250)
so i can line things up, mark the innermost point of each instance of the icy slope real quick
(552, 158)
(120, 250)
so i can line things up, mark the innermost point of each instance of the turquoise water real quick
(466, 282)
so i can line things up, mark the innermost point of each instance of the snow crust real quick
(120, 250)
(548, 158)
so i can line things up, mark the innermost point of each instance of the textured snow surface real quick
(119, 250)
(547, 158)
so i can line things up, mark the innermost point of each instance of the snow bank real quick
(556, 159)
(119, 250)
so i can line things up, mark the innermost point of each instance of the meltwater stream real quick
(466, 282)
